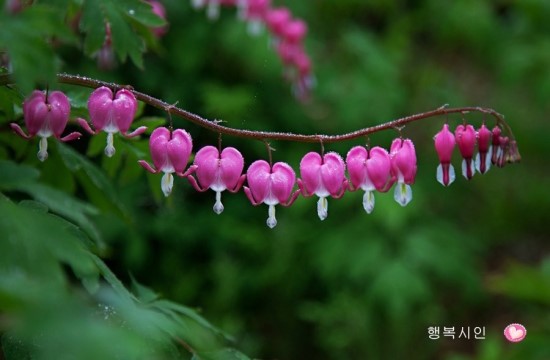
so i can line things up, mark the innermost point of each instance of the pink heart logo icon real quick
(515, 332)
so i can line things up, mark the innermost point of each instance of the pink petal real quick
(60, 109)
(444, 144)
(100, 106)
(125, 107)
(283, 179)
(466, 140)
(231, 167)
(333, 173)
(295, 31)
(277, 19)
(17, 129)
(378, 167)
(403, 160)
(310, 168)
(484, 137)
(355, 161)
(157, 145)
(258, 177)
(207, 161)
(179, 149)
(35, 112)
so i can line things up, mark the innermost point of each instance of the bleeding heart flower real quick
(254, 11)
(111, 114)
(369, 170)
(159, 10)
(218, 172)
(322, 176)
(466, 141)
(277, 19)
(44, 117)
(444, 146)
(403, 161)
(271, 186)
(170, 152)
(485, 149)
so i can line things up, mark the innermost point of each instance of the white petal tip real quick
(167, 183)
(42, 155)
(322, 208)
(218, 206)
(368, 201)
(42, 149)
(110, 148)
(271, 220)
(255, 27)
(402, 194)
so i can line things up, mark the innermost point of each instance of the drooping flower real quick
(159, 10)
(369, 170)
(484, 148)
(218, 172)
(254, 11)
(44, 117)
(170, 152)
(322, 176)
(500, 147)
(270, 186)
(503, 151)
(111, 114)
(466, 141)
(277, 19)
(403, 162)
(444, 146)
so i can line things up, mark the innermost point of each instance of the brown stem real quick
(215, 126)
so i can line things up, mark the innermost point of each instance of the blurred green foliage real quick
(354, 286)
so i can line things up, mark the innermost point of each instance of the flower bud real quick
(466, 141)
(403, 162)
(444, 146)
(485, 149)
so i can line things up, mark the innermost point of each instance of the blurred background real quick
(354, 286)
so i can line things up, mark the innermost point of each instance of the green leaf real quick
(8, 97)
(125, 41)
(89, 173)
(141, 12)
(12, 175)
(223, 354)
(111, 278)
(143, 293)
(92, 25)
(191, 314)
(36, 241)
(27, 38)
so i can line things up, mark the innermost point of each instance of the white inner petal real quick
(42, 149)
(402, 194)
(368, 201)
(322, 208)
(271, 220)
(218, 206)
(110, 148)
(167, 183)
